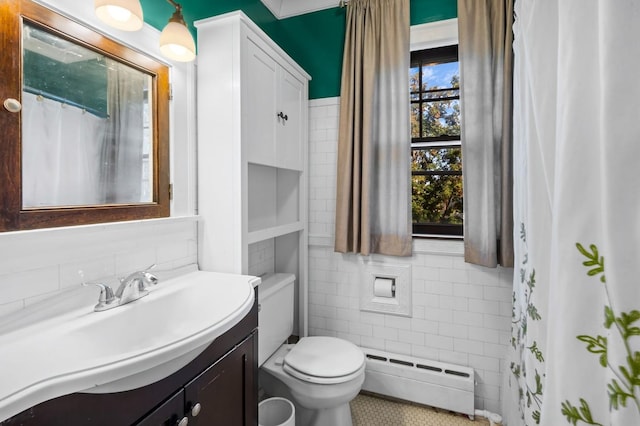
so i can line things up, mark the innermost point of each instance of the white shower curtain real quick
(124, 138)
(575, 357)
(60, 154)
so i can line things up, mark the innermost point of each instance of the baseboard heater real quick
(437, 384)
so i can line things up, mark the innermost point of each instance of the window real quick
(436, 153)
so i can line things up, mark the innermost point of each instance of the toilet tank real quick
(275, 313)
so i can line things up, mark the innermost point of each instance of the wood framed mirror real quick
(85, 124)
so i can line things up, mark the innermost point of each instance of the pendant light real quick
(124, 15)
(176, 41)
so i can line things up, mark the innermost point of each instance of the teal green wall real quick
(314, 40)
(83, 83)
(423, 11)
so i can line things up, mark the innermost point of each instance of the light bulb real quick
(118, 13)
(178, 50)
(124, 15)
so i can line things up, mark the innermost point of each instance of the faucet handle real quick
(106, 299)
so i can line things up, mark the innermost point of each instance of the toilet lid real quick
(324, 357)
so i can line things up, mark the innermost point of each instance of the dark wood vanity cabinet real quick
(171, 412)
(219, 387)
(218, 396)
(225, 387)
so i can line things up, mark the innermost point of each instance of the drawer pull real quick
(184, 421)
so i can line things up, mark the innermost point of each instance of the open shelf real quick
(274, 200)
(276, 231)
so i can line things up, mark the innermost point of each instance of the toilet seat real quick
(324, 360)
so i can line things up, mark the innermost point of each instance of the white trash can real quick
(276, 412)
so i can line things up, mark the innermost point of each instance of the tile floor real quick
(371, 410)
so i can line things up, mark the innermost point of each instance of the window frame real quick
(426, 36)
(435, 54)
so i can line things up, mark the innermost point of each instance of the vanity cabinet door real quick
(168, 414)
(226, 393)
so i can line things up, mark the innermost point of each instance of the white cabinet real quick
(292, 94)
(252, 153)
(275, 98)
(261, 72)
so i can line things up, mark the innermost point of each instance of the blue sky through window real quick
(440, 74)
(437, 75)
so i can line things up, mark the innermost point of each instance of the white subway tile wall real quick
(262, 257)
(37, 264)
(461, 312)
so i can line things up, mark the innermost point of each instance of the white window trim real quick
(434, 34)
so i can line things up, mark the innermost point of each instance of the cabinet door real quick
(289, 153)
(227, 391)
(259, 106)
(168, 414)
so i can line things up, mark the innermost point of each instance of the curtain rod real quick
(64, 101)
(343, 3)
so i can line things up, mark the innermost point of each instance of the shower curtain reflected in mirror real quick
(61, 148)
(122, 147)
(73, 157)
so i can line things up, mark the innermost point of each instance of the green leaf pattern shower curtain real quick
(575, 348)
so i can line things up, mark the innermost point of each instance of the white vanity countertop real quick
(71, 349)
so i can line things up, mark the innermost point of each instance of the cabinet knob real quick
(283, 116)
(196, 409)
(13, 105)
(184, 421)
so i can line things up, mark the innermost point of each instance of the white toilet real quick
(319, 374)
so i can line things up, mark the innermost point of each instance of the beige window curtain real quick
(373, 199)
(486, 75)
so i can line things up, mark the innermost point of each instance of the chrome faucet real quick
(134, 286)
(131, 288)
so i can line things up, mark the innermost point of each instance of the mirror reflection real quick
(86, 126)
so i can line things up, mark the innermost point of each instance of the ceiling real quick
(287, 8)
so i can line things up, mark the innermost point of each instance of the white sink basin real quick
(78, 350)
